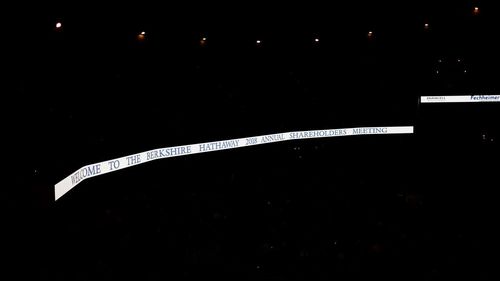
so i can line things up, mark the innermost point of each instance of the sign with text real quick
(105, 167)
(457, 99)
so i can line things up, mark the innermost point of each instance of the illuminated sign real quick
(458, 99)
(105, 167)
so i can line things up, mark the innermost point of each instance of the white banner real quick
(105, 167)
(453, 99)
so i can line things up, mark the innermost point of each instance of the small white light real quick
(258, 41)
(316, 40)
(58, 25)
(426, 25)
(143, 33)
(459, 60)
(204, 39)
(465, 70)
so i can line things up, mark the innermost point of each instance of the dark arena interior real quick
(89, 82)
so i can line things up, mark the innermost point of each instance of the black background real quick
(413, 207)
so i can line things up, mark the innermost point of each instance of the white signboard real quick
(456, 99)
(105, 167)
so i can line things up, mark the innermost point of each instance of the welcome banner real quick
(113, 165)
(456, 99)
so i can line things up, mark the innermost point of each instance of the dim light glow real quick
(58, 25)
(203, 41)
(316, 40)
(258, 41)
(141, 36)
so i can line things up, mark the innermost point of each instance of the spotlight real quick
(203, 41)
(141, 36)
